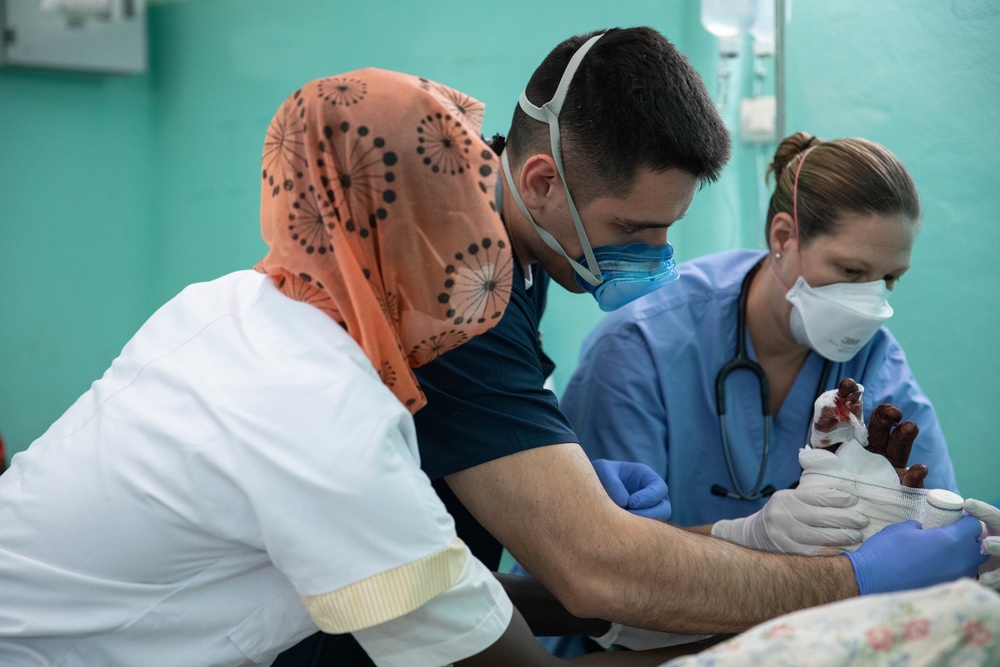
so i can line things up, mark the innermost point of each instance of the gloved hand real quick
(904, 556)
(808, 520)
(989, 572)
(635, 487)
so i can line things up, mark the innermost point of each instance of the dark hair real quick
(635, 102)
(840, 176)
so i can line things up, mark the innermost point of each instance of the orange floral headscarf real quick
(378, 207)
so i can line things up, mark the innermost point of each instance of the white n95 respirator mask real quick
(838, 320)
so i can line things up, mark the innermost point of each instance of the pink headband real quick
(795, 197)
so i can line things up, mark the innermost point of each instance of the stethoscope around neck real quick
(741, 361)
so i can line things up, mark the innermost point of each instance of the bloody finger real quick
(900, 443)
(880, 424)
(914, 476)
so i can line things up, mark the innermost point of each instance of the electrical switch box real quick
(87, 35)
(758, 119)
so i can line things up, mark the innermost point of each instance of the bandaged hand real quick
(989, 572)
(837, 419)
(812, 521)
(635, 487)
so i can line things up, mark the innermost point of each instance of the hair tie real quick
(497, 143)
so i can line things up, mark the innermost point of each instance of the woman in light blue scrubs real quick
(840, 230)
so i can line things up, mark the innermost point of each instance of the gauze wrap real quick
(868, 476)
(849, 425)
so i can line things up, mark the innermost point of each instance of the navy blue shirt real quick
(485, 400)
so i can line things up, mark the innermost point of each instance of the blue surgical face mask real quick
(629, 272)
(622, 274)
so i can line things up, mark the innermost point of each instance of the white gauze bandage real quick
(849, 425)
(868, 476)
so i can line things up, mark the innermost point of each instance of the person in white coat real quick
(246, 472)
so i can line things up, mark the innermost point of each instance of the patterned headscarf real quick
(378, 206)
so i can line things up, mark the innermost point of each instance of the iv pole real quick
(779, 67)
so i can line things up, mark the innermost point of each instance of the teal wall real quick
(115, 192)
(75, 227)
(921, 77)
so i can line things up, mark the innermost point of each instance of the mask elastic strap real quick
(550, 240)
(549, 113)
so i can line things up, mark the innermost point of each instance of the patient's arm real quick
(516, 646)
(544, 614)
(546, 617)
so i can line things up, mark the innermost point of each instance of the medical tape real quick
(852, 429)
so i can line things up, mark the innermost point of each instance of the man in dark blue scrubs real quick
(621, 120)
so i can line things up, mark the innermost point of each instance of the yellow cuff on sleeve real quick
(389, 594)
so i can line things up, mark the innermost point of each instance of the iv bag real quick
(728, 20)
(762, 29)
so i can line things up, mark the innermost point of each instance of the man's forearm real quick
(670, 579)
(548, 508)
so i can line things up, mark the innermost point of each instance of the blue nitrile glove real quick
(636, 487)
(904, 556)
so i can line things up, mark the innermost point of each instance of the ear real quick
(781, 238)
(539, 181)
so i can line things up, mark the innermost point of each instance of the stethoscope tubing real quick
(742, 361)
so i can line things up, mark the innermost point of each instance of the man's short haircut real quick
(634, 103)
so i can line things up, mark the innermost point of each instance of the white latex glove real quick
(809, 520)
(989, 572)
(637, 639)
